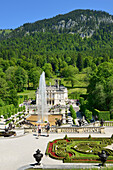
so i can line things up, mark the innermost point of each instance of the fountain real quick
(42, 100)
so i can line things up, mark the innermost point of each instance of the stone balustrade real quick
(80, 129)
(108, 123)
(96, 128)
(97, 123)
(75, 129)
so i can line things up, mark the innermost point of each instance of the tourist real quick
(39, 130)
(47, 128)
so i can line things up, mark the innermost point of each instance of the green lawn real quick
(80, 86)
(30, 93)
(78, 90)
(80, 81)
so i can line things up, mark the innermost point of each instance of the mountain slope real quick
(84, 22)
(45, 41)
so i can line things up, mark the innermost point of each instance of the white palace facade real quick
(55, 94)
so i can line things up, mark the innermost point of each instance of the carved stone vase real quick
(38, 156)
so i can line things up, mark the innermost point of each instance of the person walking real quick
(47, 128)
(39, 130)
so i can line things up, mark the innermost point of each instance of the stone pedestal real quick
(58, 130)
(80, 130)
(102, 130)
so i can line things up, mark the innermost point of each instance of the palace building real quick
(56, 94)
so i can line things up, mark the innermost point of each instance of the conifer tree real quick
(79, 62)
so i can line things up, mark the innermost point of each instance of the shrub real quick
(5, 116)
(88, 115)
(15, 110)
(96, 112)
(1, 111)
(23, 107)
(83, 105)
(19, 109)
(25, 97)
(73, 113)
(89, 137)
(65, 137)
(74, 122)
(11, 107)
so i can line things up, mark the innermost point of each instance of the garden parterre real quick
(79, 149)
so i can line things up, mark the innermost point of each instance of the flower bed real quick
(79, 149)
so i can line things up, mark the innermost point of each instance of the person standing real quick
(48, 128)
(39, 130)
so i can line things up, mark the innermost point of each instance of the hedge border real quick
(76, 159)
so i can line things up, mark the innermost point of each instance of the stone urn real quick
(38, 156)
(6, 130)
(103, 156)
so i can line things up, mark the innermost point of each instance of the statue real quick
(80, 122)
(102, 122)
(58, 122)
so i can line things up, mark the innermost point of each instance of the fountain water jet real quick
(42, 100)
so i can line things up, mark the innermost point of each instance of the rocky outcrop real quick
(86, 22)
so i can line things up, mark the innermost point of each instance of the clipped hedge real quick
(84, 95)
(85, 159)
(105, 115)
(47, 153)
(55, 156)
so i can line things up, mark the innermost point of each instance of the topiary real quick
(89, 137)
(65, 137)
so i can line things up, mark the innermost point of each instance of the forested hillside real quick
(83, 22)
(77, 42)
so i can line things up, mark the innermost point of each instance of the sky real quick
(15, 13)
